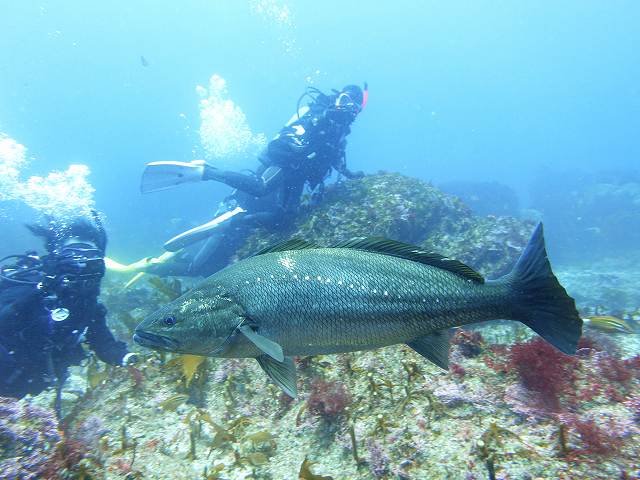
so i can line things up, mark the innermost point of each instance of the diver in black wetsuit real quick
(49, 307)
(304, 153)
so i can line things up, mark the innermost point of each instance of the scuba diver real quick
(49, 307)
(303, 155)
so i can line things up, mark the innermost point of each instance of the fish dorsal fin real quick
(411, 252)
(292, 244)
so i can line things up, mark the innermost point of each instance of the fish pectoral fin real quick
(269, 347)
(282, 373)
(434, 347)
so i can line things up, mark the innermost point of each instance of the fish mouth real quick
(152, 340)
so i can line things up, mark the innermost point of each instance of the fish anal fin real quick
(283, 374)
(434, 347)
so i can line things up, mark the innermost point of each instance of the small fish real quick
(609, 323)
(143, 61)
(173, 402)
(301, 299)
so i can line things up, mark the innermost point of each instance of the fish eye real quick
(170, 320)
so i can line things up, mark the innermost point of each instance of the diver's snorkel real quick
(365, 96)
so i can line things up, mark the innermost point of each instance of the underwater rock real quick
(491, 245)
(28, 434)
(385, 413)
(603, 286)
(588, 214)
(452, 394)
(402, 208)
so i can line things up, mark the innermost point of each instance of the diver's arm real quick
(341, 167)
(102, 341)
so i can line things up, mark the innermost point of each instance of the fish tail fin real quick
(541, 302)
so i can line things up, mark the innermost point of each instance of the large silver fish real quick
(300, 299)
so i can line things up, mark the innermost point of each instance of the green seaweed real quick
(488, 447)
(305, 472)
(171, 289)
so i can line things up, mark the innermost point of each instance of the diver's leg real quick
(207, 256)
(177, 266)
(256, 185)
(218, 250)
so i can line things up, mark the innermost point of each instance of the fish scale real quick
(300, 299)
(336, 300)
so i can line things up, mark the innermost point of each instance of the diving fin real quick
(162, 175)
(434, 347)
(271, 348)
(200, 232)
(283, 374)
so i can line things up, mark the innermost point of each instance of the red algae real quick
(544, 369)
(328, 399)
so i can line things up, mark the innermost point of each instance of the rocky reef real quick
(402, 208)
(591, 215)
(28, 436)
(510, 407)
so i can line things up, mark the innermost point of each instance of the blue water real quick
(469, 90)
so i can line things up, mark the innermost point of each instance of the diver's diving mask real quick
(345, 102)
(78, 263)
(349, 102)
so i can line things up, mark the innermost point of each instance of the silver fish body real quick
(328, 300)
(300, 299)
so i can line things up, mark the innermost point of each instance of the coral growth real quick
(633, 404)
(378, 459)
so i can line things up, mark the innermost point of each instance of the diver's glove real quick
(130, 359)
